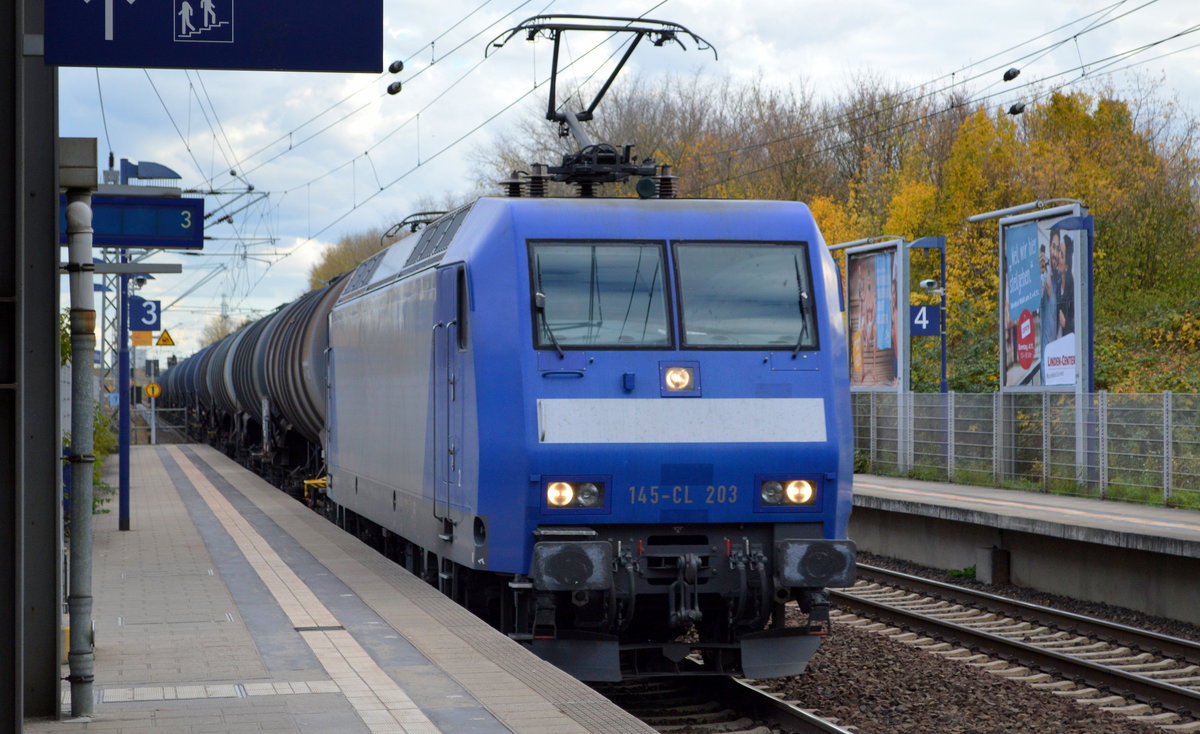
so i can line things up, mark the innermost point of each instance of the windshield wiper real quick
(539, 305)
(801, 297)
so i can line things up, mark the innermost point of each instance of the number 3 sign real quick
(144, 315)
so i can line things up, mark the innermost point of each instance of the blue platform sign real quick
(144, 315)
(925, 320)
(142, 221)
(299, 35)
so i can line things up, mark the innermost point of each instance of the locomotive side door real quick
(448, 344)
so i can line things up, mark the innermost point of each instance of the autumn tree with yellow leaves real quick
(880, 159)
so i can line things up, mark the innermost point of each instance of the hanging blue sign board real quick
(142, 221)
(301, 35)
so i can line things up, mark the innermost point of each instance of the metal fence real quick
(160, 426)
(1136, 447)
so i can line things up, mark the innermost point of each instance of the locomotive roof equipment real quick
(597, 162)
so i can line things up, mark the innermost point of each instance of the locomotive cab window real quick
(599, 295)
(746, 296)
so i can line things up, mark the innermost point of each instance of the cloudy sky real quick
(332, 154)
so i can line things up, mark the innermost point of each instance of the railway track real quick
(701, 705)
(1109, 662)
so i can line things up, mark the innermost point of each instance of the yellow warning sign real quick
(142, 338)
(153, 390)
(165, 340)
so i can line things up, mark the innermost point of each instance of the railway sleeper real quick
(708, 717)
(1187, 669)
(678, 705)
(1130, 709)
(744, 724)
(1187, 682)
(1034, 678)
(1164, 717)
(1082, 643)
(1058, 685)
(1104, 701)
(1078, 693)
(1121, 657)
(1018, 671)
(1094, 649)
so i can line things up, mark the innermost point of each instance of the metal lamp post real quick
(938, 243)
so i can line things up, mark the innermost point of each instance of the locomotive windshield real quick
(600, 295)
(748, 295)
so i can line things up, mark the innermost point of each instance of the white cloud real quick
(266, 117)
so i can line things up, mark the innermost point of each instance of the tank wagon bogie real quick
(618, 429)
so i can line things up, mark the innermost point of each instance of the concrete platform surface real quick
(229, 607)
(1163, 530)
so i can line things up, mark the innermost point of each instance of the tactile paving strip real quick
(378, 700)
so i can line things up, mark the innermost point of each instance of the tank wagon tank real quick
(260, 393)
(618, 429)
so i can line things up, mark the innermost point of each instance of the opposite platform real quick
(1136, 556)
(231, 607)
(1149, 528)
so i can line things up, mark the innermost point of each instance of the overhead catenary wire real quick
(1099, 64)
(903, 101)
(237, 275)
(455, 142)
(103, 116)
(416, 116)
(292, 144)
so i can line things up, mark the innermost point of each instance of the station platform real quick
(230, 607)
(1137, 556)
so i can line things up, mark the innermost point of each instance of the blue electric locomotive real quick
(619, 429)
(635, 411)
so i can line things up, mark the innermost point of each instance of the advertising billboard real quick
(877, 289)
(1045, 292)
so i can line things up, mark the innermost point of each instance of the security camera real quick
(929, 284)
(140, 281)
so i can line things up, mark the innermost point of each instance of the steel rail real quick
(1144, 640)
(1147, 690)
(765, 706)
(731, 696)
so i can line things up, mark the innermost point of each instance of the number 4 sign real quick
(144, 315)
(925, 320)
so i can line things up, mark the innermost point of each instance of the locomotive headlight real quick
(679, 379)
(800, 492)
(588, 495)
(575, 495)
(784, 492)
(559, 494)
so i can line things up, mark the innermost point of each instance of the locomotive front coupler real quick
(684, 599)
